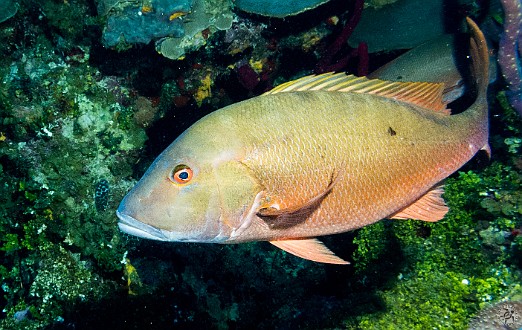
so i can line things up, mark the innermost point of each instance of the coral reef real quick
(141, 25)
(454, 257)
(176, 26)
(8, 9)
(65, 131)
(80, 123)
(505, 315)
(101, 195)
(205, 18)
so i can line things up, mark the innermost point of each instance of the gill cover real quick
(239, 195)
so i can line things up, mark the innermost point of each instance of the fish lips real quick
(134, 227)
(131, 226)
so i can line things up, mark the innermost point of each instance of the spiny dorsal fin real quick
(310, 249)
(423, 94)
(430, 207)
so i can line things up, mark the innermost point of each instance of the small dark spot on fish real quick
(391, 131)
(399, 78)
(101, 195)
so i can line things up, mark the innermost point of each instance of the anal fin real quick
(430, 207)
(310, 249)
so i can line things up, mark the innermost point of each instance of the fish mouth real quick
(134, 227)
(131, 226)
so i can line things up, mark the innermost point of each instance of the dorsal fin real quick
(423, 94)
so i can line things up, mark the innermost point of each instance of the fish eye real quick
(181, 174)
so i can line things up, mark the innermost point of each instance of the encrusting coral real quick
(510, 52)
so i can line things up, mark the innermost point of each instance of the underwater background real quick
(92, 91)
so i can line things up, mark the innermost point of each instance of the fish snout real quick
(152, 216)
(131, 226)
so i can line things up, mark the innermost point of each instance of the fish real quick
(320, 155)
(444, 65)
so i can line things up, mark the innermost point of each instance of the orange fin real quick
(310, 249)
(430, 207)
(423, 94)
(285, 218)
(479, 58)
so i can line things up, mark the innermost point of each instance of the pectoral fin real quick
(278, 218)
(430, 207)
(310, 249)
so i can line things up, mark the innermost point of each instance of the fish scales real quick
(320, 155)
(314, 135)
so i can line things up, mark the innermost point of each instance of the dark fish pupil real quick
(183, 175)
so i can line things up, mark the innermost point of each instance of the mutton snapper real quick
(316, 156)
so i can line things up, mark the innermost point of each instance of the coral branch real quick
(510, 52)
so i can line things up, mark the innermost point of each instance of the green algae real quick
(452, 268)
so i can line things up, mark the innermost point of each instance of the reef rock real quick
(503, 316)
(8, 9)
(175, 25)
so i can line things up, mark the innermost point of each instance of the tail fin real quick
(479, 59)
(480, 73)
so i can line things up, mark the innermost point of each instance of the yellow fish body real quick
(320, 155)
